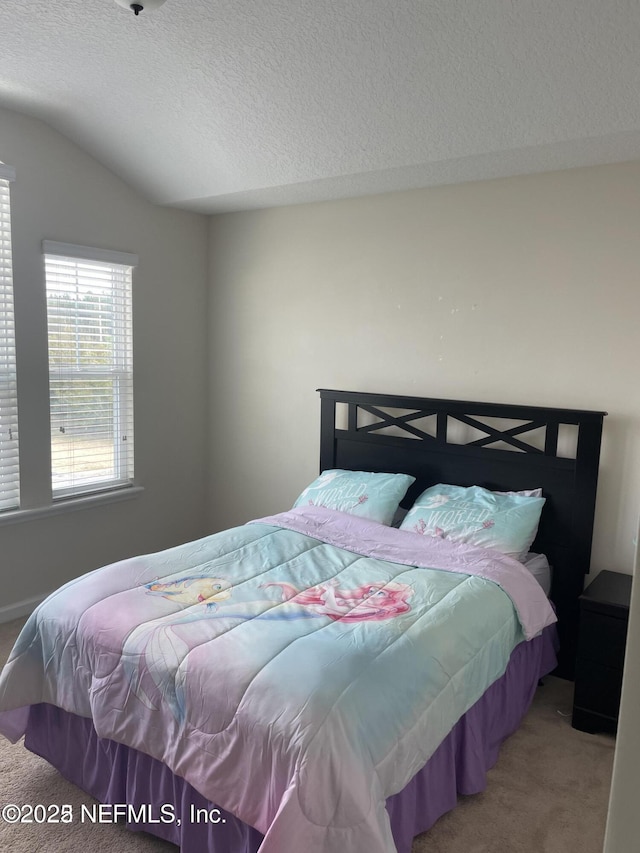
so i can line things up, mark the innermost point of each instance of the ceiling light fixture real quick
(138, 6)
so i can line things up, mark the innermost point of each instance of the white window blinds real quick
(90, 367)
(9, 473)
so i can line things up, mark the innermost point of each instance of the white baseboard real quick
(8, 612)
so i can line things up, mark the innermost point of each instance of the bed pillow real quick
(363, 493)
(476, 516)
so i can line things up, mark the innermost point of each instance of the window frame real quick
(120, 372)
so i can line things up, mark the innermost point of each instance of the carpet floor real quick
(548, 793)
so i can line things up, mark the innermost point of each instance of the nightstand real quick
(604, 615)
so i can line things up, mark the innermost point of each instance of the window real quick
(9, 473)
(90, 368)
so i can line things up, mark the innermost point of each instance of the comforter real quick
(297, 670)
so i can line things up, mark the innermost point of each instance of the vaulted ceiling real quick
(215, 105)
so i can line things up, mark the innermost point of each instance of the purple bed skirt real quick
(114, 773)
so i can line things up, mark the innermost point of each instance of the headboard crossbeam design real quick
(501, 447)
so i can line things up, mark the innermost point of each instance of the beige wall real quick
(521, 290)
(63, 194)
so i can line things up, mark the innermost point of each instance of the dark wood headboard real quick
(501, 447)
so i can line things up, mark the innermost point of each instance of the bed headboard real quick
(501, 447)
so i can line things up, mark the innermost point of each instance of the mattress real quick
(539, 567)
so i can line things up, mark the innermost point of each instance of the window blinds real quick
(90, 368)
(9, 472)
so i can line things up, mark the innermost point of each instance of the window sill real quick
(15, 516)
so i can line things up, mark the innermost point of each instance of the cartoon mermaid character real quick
(374, 601)
(195, 589)
(155, 653)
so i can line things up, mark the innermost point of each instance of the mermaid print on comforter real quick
(297, 670)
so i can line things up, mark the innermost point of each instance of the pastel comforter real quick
(297, 671)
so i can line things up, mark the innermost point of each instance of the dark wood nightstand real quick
(604, 615)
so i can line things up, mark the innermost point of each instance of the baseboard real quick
(21, 608)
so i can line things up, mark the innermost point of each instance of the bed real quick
(327, 719)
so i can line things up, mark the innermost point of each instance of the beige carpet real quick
(547, 794)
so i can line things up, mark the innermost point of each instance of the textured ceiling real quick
(216, 105)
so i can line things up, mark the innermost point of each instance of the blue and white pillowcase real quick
(362, 493)
(476, 516)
